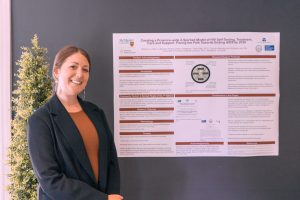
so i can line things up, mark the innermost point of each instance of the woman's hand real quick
(114, 197)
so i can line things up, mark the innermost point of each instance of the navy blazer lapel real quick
(71, 133)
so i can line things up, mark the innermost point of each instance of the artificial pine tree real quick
(33, 90)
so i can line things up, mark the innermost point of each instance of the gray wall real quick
(90, 24)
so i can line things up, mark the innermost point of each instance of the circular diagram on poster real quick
(200, 73)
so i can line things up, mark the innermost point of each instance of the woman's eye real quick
(72, 67)
(86, 70)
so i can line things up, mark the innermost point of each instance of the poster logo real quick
(258, 48)
(269, 47)
(203, 121)
(263, 40)
(127, 41)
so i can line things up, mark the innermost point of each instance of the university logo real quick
(131, 44)
(126, 41)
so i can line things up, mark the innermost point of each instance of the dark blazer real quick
(59, 158)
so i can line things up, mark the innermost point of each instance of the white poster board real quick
(196, 94)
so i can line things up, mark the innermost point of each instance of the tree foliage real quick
(33, 90)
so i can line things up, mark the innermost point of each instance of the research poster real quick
(196, 94)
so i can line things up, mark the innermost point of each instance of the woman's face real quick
(73, 75)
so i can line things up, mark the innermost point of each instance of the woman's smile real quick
(76, 82)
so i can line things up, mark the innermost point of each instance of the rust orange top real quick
(90, 138)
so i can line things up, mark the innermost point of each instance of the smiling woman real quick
(70, 144)
(70, 56)
(71, 70)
